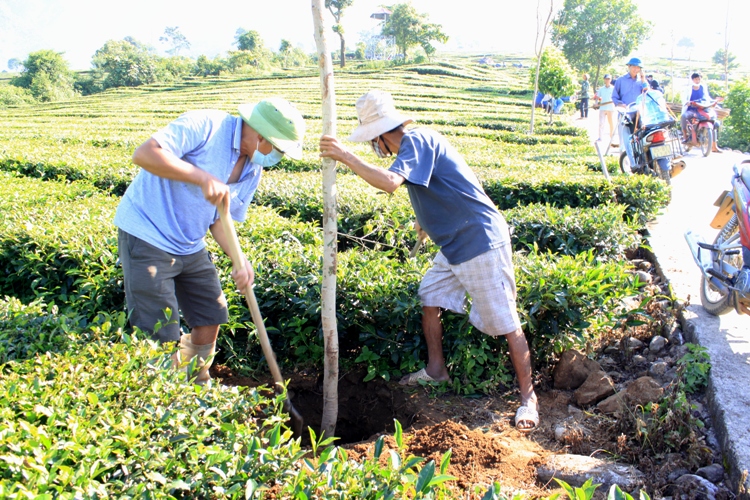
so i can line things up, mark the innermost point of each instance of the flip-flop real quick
(526, 414)
(414, 378)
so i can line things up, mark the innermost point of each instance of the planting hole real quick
(365, 408)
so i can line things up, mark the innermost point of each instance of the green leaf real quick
(445, 461)
(425, 477)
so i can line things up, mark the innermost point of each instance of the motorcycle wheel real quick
(713, 301)
(663, 174)
(706, 140)
(625, 166)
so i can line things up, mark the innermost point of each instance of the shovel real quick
(296, 422)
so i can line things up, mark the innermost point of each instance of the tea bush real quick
(115, 421)
(568, 231)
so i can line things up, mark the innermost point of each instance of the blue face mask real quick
(268, 160)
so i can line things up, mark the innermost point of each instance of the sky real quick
(78, 28)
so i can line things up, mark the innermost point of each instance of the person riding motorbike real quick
(627, 89)
(696, 92)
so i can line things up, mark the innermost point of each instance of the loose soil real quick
(485, 446)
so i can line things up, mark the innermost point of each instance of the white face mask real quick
(268, 160)
(375, 143)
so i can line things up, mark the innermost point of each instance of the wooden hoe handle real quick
(238, 263)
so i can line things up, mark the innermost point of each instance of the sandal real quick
(526, 414)
(416, 377)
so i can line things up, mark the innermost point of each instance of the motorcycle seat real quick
(746, 176)
(653, 126)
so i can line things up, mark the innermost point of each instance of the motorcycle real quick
(653, 142)
(702, 130)
(725, 263)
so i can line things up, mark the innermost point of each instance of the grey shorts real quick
(490, 282)
(156, 280)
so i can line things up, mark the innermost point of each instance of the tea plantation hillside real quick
(63, 252)
(93, 410)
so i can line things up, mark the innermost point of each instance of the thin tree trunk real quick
(539, 49)
(726, 51)
(343, 50)
(328, 289)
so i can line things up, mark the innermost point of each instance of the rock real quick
(665, 305)
(576, 469)
(644, 265)
(671, 375)
(676, 474)
(644, 390)
(644, 278)
(693, 486)
(639, 360)
(607, 362)
(596, 387)
(657, 368)
(634, 344)
(671, 329)
(616, 403)
(574, 411)
(572, 370)
(657, 344)
(639, 392)
(678, 351)
(713, 472)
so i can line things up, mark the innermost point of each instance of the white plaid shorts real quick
(488, 279)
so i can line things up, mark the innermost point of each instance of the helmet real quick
(634, 61)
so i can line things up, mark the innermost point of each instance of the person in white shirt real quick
(606, 108)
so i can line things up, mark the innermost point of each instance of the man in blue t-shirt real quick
(202, 161)
(627, 89)
(697, 92)
(453, 210)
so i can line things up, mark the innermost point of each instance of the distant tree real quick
(336, 7)
(409, 28)
(10, 95)
(14, 64)
(46, 74)
(725, 59)
(359, 53)
(291, 56)
(209, 67)
(174, 68)
(556, 77)
(248, 40)
(176, 40)
(593, 33)
(125, 63)
(687, 44)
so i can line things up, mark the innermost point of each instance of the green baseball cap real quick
(278, 121)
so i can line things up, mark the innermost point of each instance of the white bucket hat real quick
(377, 115)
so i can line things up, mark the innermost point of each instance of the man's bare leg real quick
(433, 334)
(202, 335)
(521, 359)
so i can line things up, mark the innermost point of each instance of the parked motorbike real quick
(725, 263)
(701, 130)
(654, 143)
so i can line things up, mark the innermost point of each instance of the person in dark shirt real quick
(451, 207)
